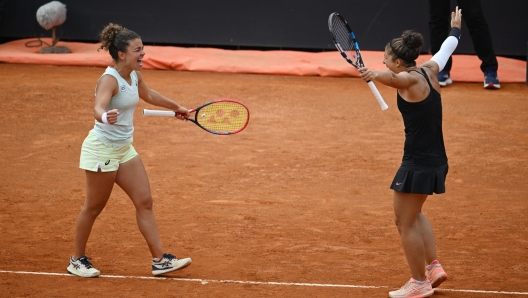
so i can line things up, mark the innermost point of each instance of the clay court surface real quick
(296, 205)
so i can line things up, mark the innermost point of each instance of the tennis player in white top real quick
(107, 154)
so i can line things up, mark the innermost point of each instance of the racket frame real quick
(359, 63)
(147, 112)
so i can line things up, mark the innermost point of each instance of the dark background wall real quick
(264, 24)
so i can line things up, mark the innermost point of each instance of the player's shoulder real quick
(107, 78)
(107, 82)
(431, 72)
(431, 67)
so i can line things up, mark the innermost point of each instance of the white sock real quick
(419, 282)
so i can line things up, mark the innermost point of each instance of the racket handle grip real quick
(158, 113)
(376, 93)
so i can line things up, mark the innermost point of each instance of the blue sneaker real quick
(444, 79)
(490, 80)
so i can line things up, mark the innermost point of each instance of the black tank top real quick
(424, 141)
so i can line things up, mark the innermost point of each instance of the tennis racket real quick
(345, 42)
(220, 117)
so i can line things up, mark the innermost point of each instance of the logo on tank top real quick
(123, 88)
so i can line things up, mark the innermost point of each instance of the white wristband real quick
(105, 120)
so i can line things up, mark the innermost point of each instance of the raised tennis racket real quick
(220, 117)
(345, 42)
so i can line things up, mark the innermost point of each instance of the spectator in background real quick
(439, 26)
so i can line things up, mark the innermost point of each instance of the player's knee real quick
(398, 222)
(93, 211)
(144, 203)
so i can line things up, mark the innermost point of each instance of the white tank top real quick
(125, 101)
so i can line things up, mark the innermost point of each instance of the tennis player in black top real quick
(424, 165)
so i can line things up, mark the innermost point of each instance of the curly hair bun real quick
(412, 39)
(108, 34)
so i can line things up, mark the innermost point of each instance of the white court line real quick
(206, 281)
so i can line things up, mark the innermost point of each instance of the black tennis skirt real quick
(419, 179)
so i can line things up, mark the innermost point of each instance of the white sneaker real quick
(82, 267)
(169, 263)
(413, 290)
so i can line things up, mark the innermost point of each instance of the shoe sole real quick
(446, 82)
(440, 279)
(492, 86)
(172, 269)
(422, 295)
(82, 275)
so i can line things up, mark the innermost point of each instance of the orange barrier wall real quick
(465, 67)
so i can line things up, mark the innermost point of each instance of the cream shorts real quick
(95, 155)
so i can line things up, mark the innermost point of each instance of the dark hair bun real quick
(412, 39)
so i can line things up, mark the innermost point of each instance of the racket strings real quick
(223, 117)
(342, 36)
